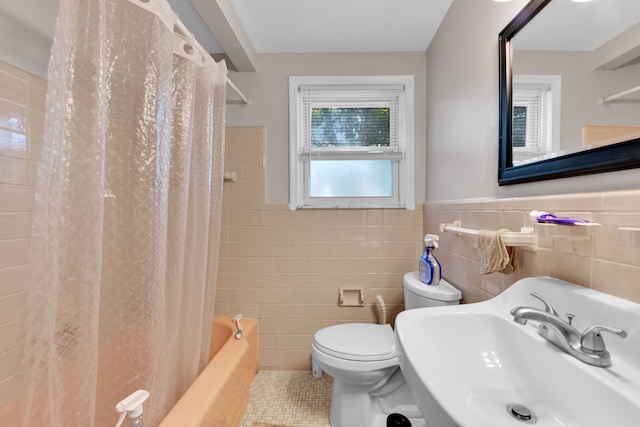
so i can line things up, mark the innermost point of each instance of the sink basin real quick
(467, 364)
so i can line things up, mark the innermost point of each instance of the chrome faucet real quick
(588, 347)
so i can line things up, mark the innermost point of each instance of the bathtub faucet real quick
(588, 347)
(236, 320)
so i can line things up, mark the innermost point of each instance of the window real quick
(351, 142)
(536, 118)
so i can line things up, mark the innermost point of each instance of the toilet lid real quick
(357, 341)
(444, 291)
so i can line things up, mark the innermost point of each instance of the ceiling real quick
(242, 29)
(277, 26)
(272, 26)
(578, 26)
(305, 26)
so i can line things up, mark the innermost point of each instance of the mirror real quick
(569, 93)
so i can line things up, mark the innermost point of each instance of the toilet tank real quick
(419, 295)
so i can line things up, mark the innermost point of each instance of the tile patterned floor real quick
(295, 399)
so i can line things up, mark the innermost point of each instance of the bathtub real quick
(220, 394)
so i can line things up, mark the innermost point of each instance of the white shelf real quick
(525, 238)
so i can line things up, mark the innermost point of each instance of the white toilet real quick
(368, 385)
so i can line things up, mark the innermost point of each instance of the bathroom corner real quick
(285, 268)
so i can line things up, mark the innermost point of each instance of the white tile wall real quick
(22, 99)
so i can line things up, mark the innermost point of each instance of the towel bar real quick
(525, 238)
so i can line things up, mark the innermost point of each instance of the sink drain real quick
(521, 413)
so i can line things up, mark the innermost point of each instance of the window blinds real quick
(350, 118)
(536, 99)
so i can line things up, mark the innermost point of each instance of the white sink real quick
(465, 364)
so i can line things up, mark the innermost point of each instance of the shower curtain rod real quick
(605, 101)
(243, 99)
(182, 29)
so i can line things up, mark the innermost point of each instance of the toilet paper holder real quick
(351, 297)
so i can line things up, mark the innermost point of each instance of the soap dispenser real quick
(430, 271)
(131, 408)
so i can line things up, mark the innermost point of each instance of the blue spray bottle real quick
(430, 271)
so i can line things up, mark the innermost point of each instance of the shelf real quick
(525, 238)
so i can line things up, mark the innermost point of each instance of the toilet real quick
(368, 385)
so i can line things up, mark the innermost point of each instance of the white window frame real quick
(402, 155)
(547, 127)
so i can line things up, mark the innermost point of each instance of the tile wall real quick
(285, 267)
(22, 101)
(604, 257)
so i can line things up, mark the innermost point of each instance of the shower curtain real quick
(127, 215)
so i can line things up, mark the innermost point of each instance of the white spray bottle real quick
(131, 407)
(430, 271)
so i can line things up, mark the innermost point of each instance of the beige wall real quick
(285, 267)
(281, 267)
(462, 148)
(462, 112)
(462, 100)
(268, 90)
(599, 257)
(22, 98)
(581, 87)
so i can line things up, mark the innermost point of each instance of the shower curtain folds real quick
(126, 224)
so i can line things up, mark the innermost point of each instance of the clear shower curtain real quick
(127, 215)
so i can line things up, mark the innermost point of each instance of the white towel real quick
(494, 254)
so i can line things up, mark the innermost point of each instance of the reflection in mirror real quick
(569, 89)
(536, 122)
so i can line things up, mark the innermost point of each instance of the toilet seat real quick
(368, 385)
(357, 342)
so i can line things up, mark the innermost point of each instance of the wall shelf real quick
(525, 238)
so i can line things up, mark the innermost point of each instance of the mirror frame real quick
(620, 156)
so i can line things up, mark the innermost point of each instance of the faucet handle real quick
(570, 317)
(547, 307)
(592, 339)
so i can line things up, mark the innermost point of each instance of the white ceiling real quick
(565, 25)
(283, 26)
(243, 28)
(311, 26)
(280, 26)
(269, 26)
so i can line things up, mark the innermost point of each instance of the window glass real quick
(519, 138)
(350, 127)
(351, 178)
(351, 142)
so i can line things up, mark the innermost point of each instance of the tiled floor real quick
(295, 399)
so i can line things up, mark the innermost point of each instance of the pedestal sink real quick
(473, 366)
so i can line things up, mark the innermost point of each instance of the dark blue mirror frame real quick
(623, 155)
